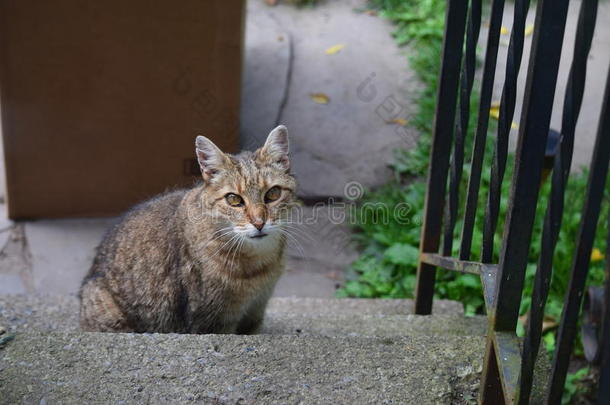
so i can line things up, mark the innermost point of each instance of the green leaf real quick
(401, 253)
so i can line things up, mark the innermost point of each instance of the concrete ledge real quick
(77, 368)
(357, 306)
(284, 315)
(373, 325)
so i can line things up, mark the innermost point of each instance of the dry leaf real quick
(548, 323)
(319, 98)
(494, 112)
(334, 275)
(271, 2)
(371, 12)
(400, 121)
(334, 49)
(504, 30)
(529, 29)
(596, 255)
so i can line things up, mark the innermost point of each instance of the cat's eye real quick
(234, 200)
(273, 194)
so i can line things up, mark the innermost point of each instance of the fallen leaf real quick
(334, 49)
(371, 12)
(596, 255)
(494, 112)
(504, 30)
(548, 323)
(400, 121)
(319, 98)
(334, 275)
(529, 29)
(271, 2)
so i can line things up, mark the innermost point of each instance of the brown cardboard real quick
(101, 100)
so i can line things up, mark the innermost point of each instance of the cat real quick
(201, 260)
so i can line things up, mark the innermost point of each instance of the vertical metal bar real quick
(491, 56)
(507, 110)
(461, 129)
(580, 266)
(538, 104)
(490, 391)
(603, 392)
(554, 213)
(453, 42)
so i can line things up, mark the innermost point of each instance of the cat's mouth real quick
(258, 236)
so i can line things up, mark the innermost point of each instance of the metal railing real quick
(509, 361)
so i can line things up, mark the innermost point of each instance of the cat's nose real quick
(258, 224)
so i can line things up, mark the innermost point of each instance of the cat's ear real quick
(276, 148)
(211, 159)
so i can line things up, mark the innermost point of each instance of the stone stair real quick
(310, 351)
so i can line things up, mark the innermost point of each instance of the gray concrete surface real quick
(285, 315)
(72, 368)
(355, 306)
(368, 83)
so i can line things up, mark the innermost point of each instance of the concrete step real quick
(285, 316)
(373, 325)
(357, 306)
(77, 368)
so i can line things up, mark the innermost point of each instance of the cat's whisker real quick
(235, 248)
(226, 228)
(301, 232)
(240, 245)
(227, 243)
(297, 225)
(297, 243)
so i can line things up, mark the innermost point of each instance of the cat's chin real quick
(262, 244)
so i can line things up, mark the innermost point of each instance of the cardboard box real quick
(101, 100)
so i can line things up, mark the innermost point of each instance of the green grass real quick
(387, 264)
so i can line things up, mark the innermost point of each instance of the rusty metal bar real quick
(451, 263)
(582, 258)
(490, 390)
(455, 23)
(508, 355)
(478, 151)
(554, 213)
(538, 104)
(461, 128)
(488, 280)
(507, 110)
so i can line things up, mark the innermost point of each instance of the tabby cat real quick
(201, 260)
